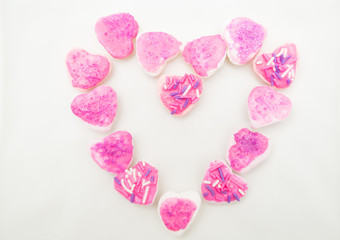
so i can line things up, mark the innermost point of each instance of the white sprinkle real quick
(165, 87)
(240, 191)
(293, 73)
(206, 182)
(127, 171)
(129, 182)
(278, 55)
(139, 174)
(145, 183)
(134, 174)
(274, 69)
(287, 70)
(197, 93)
(215, 183)
(290, 75)
(285, 53)
(270, 61)
(143, 163)
(126, 176)
(126, 189)
(145, 194)
(187, 90)
(259, 62)
(219, 186)
(133, 187)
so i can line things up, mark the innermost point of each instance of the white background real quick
(50, 188)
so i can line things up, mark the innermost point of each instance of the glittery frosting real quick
(220, 185)
(244, 39)
(179, 93)
(116, 33)
(138, 184)
(86, 69)
(267, 106)
(154, 49)
(114, 152)
(98, 107)
(277, 68)
(205, 54)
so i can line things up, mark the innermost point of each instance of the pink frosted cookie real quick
(267, 106)
(220, 185)
(98, 107)
(244, 39)
(247, 150)
(114, 152)
(179, 93)
(138, 184)
(205, 54)
(178, 210)
(277, 68)
(116, 33)
(154, 49)
(86, 70)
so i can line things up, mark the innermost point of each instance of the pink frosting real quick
(86, 70)
(114, 152)
(244, 38)
(221, 185)
(116, 32)
(138, 184)
(278, 68)
(267, 106)
(205, 54)
(98, 107)
(154, 49)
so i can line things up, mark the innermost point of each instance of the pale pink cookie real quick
(247, 149)
(116, 33)
(178, 210)
(97, 108)
(220, 185)
(278, 68)
(114, 152)
(206, 54)
(138, 184)
(244, 39)
(179, 93)
(154, 49)
(86, 70)
(267, 106)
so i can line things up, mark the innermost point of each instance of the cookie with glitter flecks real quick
(220, 185)
(247, 149)
(114, 152)
(138, 184)
(279, 67)
(267, 106)
(154, 49)
(179, 93)
(205, 54)
(178, 210)
(97, 107)
(116, 33)
(244, 39)
(86, 69)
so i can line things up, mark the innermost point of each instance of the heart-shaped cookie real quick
(179, 93)
(116, 33)
(138, 184)
(98, 107)
(267, 106)
(178, 210)
(154, 49)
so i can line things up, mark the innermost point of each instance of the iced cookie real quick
(178, 210)
(277, 68)
(179, 93)
(267, 106)
(114, 152)
(138, 184)
(86, 69)
(220, 185)
(154, 49)
(244, 39)
(97, 108)
(116, 33)
(205, 54)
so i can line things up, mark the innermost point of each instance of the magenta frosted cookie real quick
(154, 49)
(279, 67)
(116, 33)
(138, 184)
(247, 149)
(220, 185)
(178, 210)
(244, 39)
(97, 107)
(86, 69)
(205, 54)
(179, 93)
(267, 106)
(114, 152)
